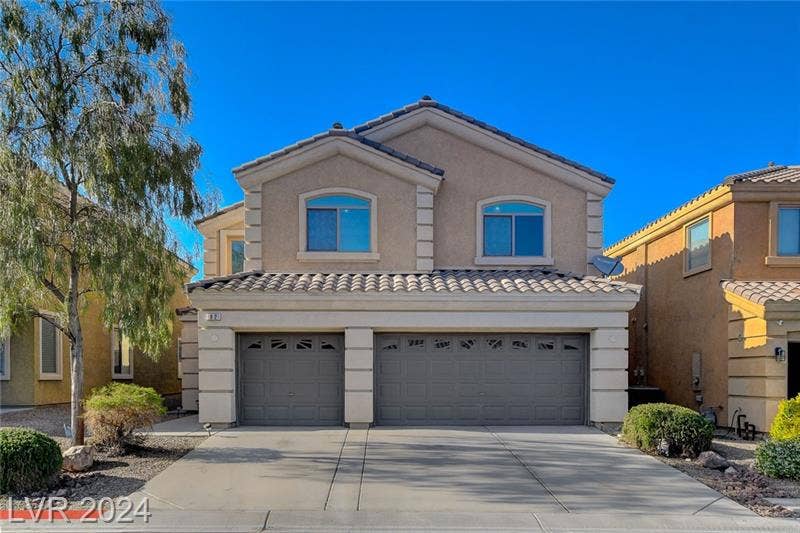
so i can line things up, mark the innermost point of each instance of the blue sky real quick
(666, 98)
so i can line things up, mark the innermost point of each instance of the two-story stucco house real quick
(422, 268)
(718, 325)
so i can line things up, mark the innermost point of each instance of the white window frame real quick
(226, 257)
(59, 374)
(773, 259)
(539, 260)
(116, 335)
(351, 257)
(702, 268)
(5, 339)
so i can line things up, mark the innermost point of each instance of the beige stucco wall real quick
(19, 389)
(679, 315)
(752, 244)
(25, 387)
(396, 224)
(473, 173)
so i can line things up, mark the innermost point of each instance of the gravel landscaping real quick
(746, 485)
(111, 475)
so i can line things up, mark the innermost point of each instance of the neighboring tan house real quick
(422, 268)
(35, 361)
(718, 324)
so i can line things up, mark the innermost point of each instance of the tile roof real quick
(426, 101)
(770, 174)
(762, 292)
(219, 212)
(336, 132)
(534, 281)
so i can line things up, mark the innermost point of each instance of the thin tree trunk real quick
(76, 361)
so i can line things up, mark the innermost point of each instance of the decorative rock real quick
(731, 471)
(78, 458)
(60, 493)
(712, 460)
(663, 448)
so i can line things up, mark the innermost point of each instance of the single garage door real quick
(432, 379)
(291, 380)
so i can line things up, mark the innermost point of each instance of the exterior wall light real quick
(780, 354)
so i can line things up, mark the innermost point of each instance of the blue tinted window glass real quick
(512, 207)
(337, 201)
(321, 230)
(528, 235)
(789, 231)
(354, 230)
(237, 256)
(497, 235)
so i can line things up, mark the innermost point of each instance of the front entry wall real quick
(606, 361)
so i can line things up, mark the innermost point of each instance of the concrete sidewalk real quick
(174, 521)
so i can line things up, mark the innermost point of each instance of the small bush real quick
(779, 458)
(786, 424)
(28, 460)
(687, 433)
(115, 411)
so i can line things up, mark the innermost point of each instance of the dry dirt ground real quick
(111, 475)
(747, 486)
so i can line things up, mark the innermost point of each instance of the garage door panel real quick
(291, 379)
(475, 379)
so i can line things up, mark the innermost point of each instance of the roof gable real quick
(430, 112)
(338, 142)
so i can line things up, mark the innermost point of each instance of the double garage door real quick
(420, 379)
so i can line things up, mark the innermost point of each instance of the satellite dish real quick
(608, 266)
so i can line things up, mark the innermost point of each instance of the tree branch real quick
(53, 289)
(55, 323)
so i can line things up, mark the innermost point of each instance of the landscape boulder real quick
(712, 460)
(78, 458)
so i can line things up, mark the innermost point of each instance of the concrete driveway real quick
(548, 470)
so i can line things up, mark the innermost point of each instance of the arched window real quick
(338, 223)
(513, 230)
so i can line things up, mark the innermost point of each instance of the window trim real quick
(59, 374)
(305, 256)
(114, 375)
(542, 260)
(5, 338)
(226, 259)
(773, 259)
(690, 272)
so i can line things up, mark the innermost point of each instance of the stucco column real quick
(608, 374)
(358, 384)
(216, 382)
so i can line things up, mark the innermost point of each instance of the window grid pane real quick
(789, 231)
(528, 235)
(321, 230)
(497, 235)
(354, 230)
(237, 256)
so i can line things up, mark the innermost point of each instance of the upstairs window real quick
(121, 356)
(698, 245)
(338, 223)
(513, 229)
(237, 256)
(789, 231)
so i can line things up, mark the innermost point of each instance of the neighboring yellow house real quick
(35, 364)
(718, 323)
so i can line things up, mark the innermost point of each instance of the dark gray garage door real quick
(291, 380)
(432, 379)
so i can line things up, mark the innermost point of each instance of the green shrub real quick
(115, 411)
(779, 458)
(686, 432)
(786, 424)
(28, 460)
